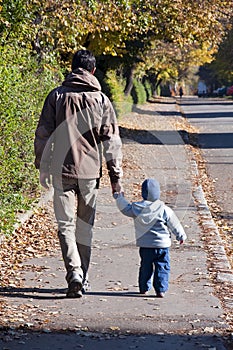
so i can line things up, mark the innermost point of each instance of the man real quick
(76, 126)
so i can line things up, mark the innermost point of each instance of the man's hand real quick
(117, 187)
(45, 179)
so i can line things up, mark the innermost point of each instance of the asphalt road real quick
(214, 120)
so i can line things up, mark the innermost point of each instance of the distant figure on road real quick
(154, 222)
(77, 122)
(181, 92)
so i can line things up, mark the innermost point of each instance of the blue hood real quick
(150, 190)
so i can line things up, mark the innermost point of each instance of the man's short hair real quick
(84, 59)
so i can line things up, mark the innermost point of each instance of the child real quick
(154, 222)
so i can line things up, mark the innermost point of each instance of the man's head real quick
(150, 190)
(84, 59)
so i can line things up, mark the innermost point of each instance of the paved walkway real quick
(112, 314)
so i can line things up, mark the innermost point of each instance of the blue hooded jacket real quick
(153, 220)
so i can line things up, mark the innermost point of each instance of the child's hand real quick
(118, 194)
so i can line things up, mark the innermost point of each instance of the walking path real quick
(112, 314)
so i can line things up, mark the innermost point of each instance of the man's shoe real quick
(143, 292)
(86, 287)
(160, 295)
(74, 290)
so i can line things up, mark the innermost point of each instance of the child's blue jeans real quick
(154, 269)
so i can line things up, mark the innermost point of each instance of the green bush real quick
(138, 93)
(115, 90)
(148, 89)
(23, 90)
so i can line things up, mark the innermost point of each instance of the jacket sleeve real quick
(43, 141)
(109, 135)
(124, 206)
(174, 225)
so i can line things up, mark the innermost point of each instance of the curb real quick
(215, 243)
(21, 218)
(44, 199)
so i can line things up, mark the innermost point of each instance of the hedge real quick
(138, 92)
(23, 89)
(114, 88)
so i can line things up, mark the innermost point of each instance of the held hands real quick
(117, 187)
(45, 180)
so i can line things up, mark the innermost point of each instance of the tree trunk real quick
(158, 82)
(155, 83)
(129, 80)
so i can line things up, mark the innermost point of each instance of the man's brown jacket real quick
(76, 126)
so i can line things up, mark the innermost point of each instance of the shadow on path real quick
(36, 293)
(25, 338)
